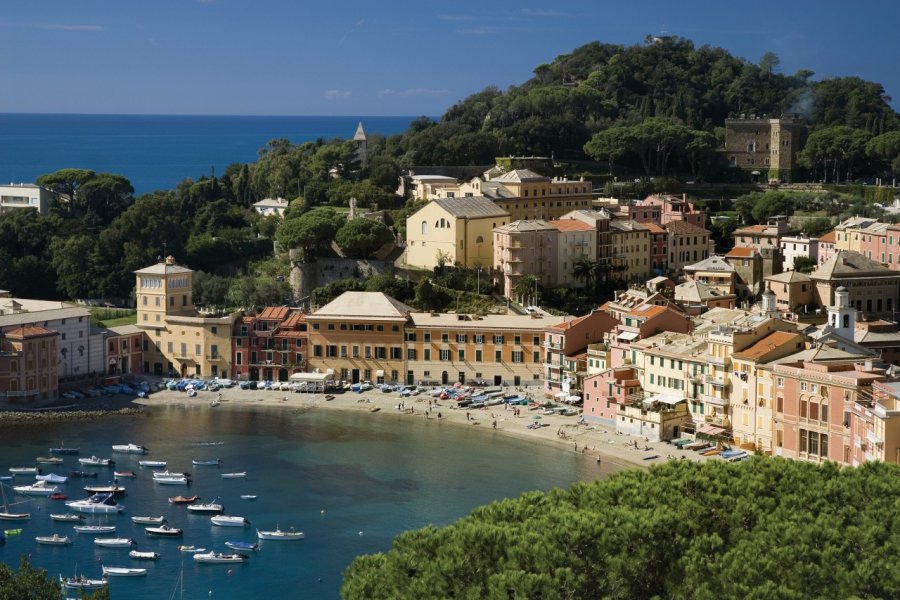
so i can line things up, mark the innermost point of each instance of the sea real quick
(155, 152)
(350, 481)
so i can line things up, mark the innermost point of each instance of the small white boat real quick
(129, 449)
(246, 546)
(148, 520)
(105, 489)
(152, 463)
(67, 518)
(164, 531)
(52, 478)
(164, 474)
(96, 461)
(234, 475)
(39, 488)
(80, 582)
(278, 534)
(122, 572)
(53, 540)
(114, 542)
(206, 507)
(96, 504)
(138, 555)
(94, 529)
(191, 549)
(24, 470)
(124, 474)
(172, 480)
(49, 460)
(218, 557)
(206, 462)
(248, 496)
(227, 521)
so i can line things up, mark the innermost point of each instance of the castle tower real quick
(842, 315)
(162, 290)
(362, 148)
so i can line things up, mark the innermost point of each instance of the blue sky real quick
(395, 57)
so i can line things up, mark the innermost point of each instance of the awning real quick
(711, 430)
(379, 373)
(628, 336)
(663, 399)
(573, 398)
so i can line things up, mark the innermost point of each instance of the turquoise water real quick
(373, 477)
(157, 151)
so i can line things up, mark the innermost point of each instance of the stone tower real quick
(362, 149)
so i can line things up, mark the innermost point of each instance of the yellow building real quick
(630, 243)
(358, 336)
(455, 231)
(178, 340)
(848, 235)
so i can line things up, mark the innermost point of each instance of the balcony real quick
(263, 333)
(720, 420)
(714, 401)
(552, 346)
(874, 439)
(214, 357)
(717, 381)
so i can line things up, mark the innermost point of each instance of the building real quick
(642, 322)
(359, 336)
(826, 246)
(873, 288)
(179, 340)
(696, 298)
(454, 231)
(765, 148)
(656, 418)
(793, 291)
(630, 251)
(271, 206)
(429, 187)
(762, 237)
(525, 248)
(673, 208)
(124, 350)
(625, 301)
(748, 265)
(24, 195)
(445, 348)
(599, 220)
(567, 340)
(528, 195)
(793, 247)
(270, 345)
(875, 425)
(28, 364)
(576, 241)
(687, 243)
(714, 271)
(362, 146)
(847, 233)
(605, 391)
(659, 248)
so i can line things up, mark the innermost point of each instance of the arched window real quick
(479, 240)
(846, 320)
(424, 227)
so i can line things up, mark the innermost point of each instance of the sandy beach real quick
(593, 441)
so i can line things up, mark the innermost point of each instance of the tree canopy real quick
(765, 528)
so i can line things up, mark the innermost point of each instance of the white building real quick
(271, 206)
(792, 247)
(24, 195)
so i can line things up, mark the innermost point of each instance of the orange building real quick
(28, 370)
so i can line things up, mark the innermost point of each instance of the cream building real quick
(524, 248)
(178, 339)
(576, 240)
(24, 195)
(630, 243)
(455, 230)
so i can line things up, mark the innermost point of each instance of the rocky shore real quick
(67, 414)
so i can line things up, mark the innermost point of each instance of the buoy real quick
(229, 572)
(360, 533)
(322, 512)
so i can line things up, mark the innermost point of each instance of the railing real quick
(716, 420)
(717, 381)
(714, 401)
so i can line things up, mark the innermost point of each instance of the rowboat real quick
(236, 545)
(5, 515)
(96, 461)
(94, 529)
(114, 542)
(234, 475)
(191, 549)
(138, 555)
(38, 488)
(24, 470)
(129, 449)
(49, 460)
(64, 450)
(98, 503)
(278, 534)
(227, 521)
(248, 496)
(127, 474)
(122, 571)
(208, 507)
(80, 582)
(183, 499)
(67, 518)
(12, 532)
(152, 463)
(206, 462)
(148, 520)
(172, 480)
(58, 496)
(165, 531)
(218, 557)
(53, 540)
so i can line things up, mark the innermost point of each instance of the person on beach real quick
(494, 424)
(467, 416)
(439, 416)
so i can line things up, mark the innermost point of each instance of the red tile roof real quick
(654, 228)
(274, 313)
(828, 238)
(646, 311)
(767, 344)
(683, 227)
(741, 253)
(570, 225)
(27, 331)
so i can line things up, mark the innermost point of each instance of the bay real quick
(157, 151)
(372, 477)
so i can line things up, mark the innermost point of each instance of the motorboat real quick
(164, 531)
(96, 461)
(138, 555)
(148, 520)
(122, 571)
(206, 462)
(80, 582)
(83, 474)
(172, 480)
(96, 504)
(234, 475)
(124, 474)
(64, 450)
(53, 540)
(130, 449)
(66, 518)
(191, 549)
(49, 460)
(248, 496)
(163, 474)
(52, 478)
(208, 507)
(153, 463)
(114, 542)
(94, 529)
(278, 534)
(247, 546)
(183, 499)
(229, 521)
(105, 489)
(24, 470)
(38, 488)
(218, 557)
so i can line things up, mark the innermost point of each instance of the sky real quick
(395, 57)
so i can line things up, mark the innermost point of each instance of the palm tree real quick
(584, 270)
(526, 286)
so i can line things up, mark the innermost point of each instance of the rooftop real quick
(519, 176)
(164, 267)
(28, 331)
(683, 227)
(570, 225)
(471, 206)
(828, 238)
(525, 225)
(741, 253)
(272, 203)
(846, 263)
(774, 340)
(789, 277)
(713, 263)
(363, 305)
(484, 322)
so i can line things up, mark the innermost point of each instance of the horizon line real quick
(125, 114)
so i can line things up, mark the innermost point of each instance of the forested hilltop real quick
(653, 109)
(767, 528)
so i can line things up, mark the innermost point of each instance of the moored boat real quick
(206, 462)
(105, 489)
(58, 496)
(229, 521)
(138, 555)
(129, 449)
(190, 549)
(94, 529)
(66, 518)
(114, 542)
(24, 470)
(122, 571)
(208, 507)
(52, 478)
(183, 499)
(238, 545)
(248, 496)
(148, 520)
(49, 460)
(234, 475)
(278, 534)
(152, 463)
(164, 531)
(80, 582)
(83, 474)
(96, 461)
(53, 540)
(172, 480)
(218, 557)
(98, 503)
(125, 474)
(38, 488)
(64, 450)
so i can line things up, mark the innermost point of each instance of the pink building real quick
(881, 243)
(673, 208)
(826, 246)
(642, 322)
(565, 341)
(812, 404)
(604, 392)
(124, 350)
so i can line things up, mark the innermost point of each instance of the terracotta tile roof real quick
(767, 344)
(570, 225)
(274, 313)
(751, 229)
(654, 228)
(741, 253)
(293, 319)
(646, 311)
(685, 228)
(27, 331)
(828, 238)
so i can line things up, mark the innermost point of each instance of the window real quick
(317, 350)
(517, 340)
(343, 351)
(445, 355)
(478, 356)
(380, 352)
(461, 338)
(396, 353)
(197, 350)
(355, 351)
(536, 340)
(238, 358)
(445, 337)
(498, 339)
(781, 382)
(536, 356)
(426, 337)
(498, 356)
(517, 356)
(426, 354)
(411, 354)
(478, 338)
(368, 351)
(461, 355)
